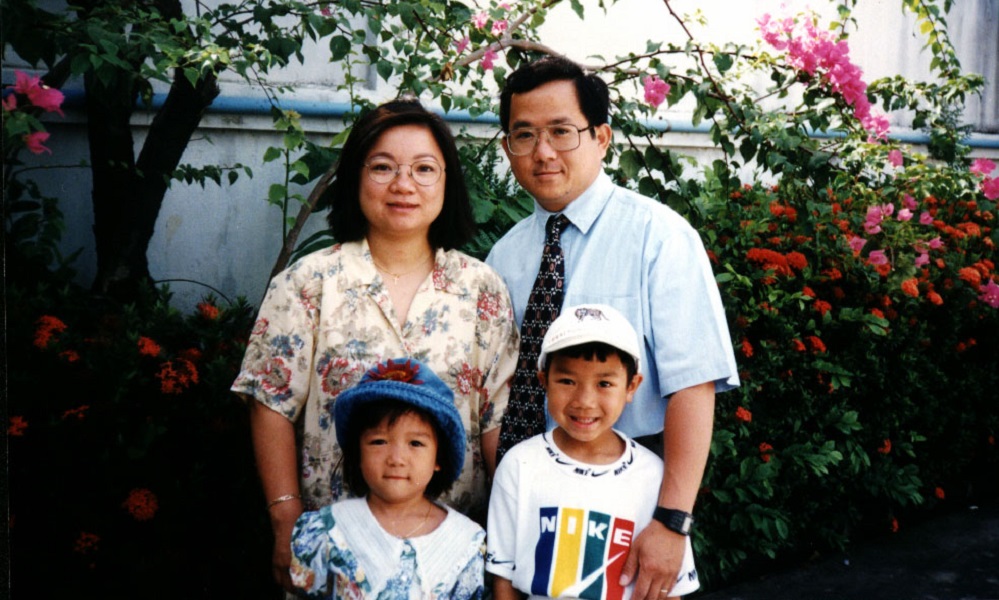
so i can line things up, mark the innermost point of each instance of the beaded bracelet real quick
(281, 499)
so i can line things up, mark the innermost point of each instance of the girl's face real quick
(398, 460)
(402, 206)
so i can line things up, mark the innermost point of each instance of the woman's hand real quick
(283, 517)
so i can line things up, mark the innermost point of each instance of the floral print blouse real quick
(328, 318)
(342, 552)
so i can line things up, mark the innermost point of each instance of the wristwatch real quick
(674, 520)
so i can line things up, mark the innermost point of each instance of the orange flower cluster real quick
(885, 447)
(17, 426)
(48, 326)
(141, 504)
(208, 310)
(741, 414)
(86, 543)
(939, 493)
(765, 451)
(79, 412)
(147, 347)
(747, 348)
(911, 287)
(780, 264)
(176, 376)
(782, 210)
(815, 343)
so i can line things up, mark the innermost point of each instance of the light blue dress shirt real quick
(645, 260)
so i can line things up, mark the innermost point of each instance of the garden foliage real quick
(858, 275)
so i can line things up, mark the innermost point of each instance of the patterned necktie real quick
(525, 413)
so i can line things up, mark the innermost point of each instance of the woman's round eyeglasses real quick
(384, 170)
(562, 138)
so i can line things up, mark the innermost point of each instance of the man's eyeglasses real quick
(523, 140)
(423, 172)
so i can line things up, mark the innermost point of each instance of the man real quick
(635, 254)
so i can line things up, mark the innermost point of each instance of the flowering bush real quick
(130, 466)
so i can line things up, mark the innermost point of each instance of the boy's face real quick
(586, 397)
(398, 460)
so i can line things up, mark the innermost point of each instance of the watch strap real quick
(675, 520)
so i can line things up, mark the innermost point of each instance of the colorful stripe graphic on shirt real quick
(580, 554)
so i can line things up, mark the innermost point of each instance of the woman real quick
(393, 286)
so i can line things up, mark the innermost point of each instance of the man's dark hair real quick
(595, 351)
(451, 229)
(591, 91)
(370, 415)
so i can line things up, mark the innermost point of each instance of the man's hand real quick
(656, 555)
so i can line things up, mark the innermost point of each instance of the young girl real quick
(403, 445)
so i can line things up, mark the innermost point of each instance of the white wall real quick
(228, 237)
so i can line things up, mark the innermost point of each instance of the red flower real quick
(877, 313)
(815, 343)
(769, 260)
(796, 260)
(939, 493)
(86, 543)
(741, 414)
(894, 525)
(799, 346)
(822, 307)
(970, 275)
(47, 327)
(808, 291)
(208, 310)
(147, 347)
(141, 504)
(177, 376)
(70, 356)
(885, 447)
(17, 426)
(78, 412)
(911, 287)
(934, 298)
(765, 450)
(747, 348)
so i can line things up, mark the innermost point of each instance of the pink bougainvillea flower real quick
(504, 5)
(10, 103)
(875, 215)
(982, 166)
(925, 218)
(499, 27)
(461, 44)
(909, 202)
(904, 215)
(990, 187)
(895, 158)
(856, 243)
(936, 243)
(480, 20)
(489, 59)
(656, 90)
(990, 293)
(922, 259)
(42, 96)
(34, 142)
(877, 257)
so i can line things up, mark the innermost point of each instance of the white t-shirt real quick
(561, 528)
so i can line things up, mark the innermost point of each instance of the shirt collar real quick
(584, 210)
(357, 263)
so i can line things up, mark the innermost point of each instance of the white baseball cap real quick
(586, 323)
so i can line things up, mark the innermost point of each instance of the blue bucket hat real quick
(410, 381)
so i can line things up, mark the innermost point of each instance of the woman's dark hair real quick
(595, 351)
(591, 91)
(453, 227)
(370, 415)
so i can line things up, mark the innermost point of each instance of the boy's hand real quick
(656, 554)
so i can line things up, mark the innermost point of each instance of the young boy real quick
(566, 504)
